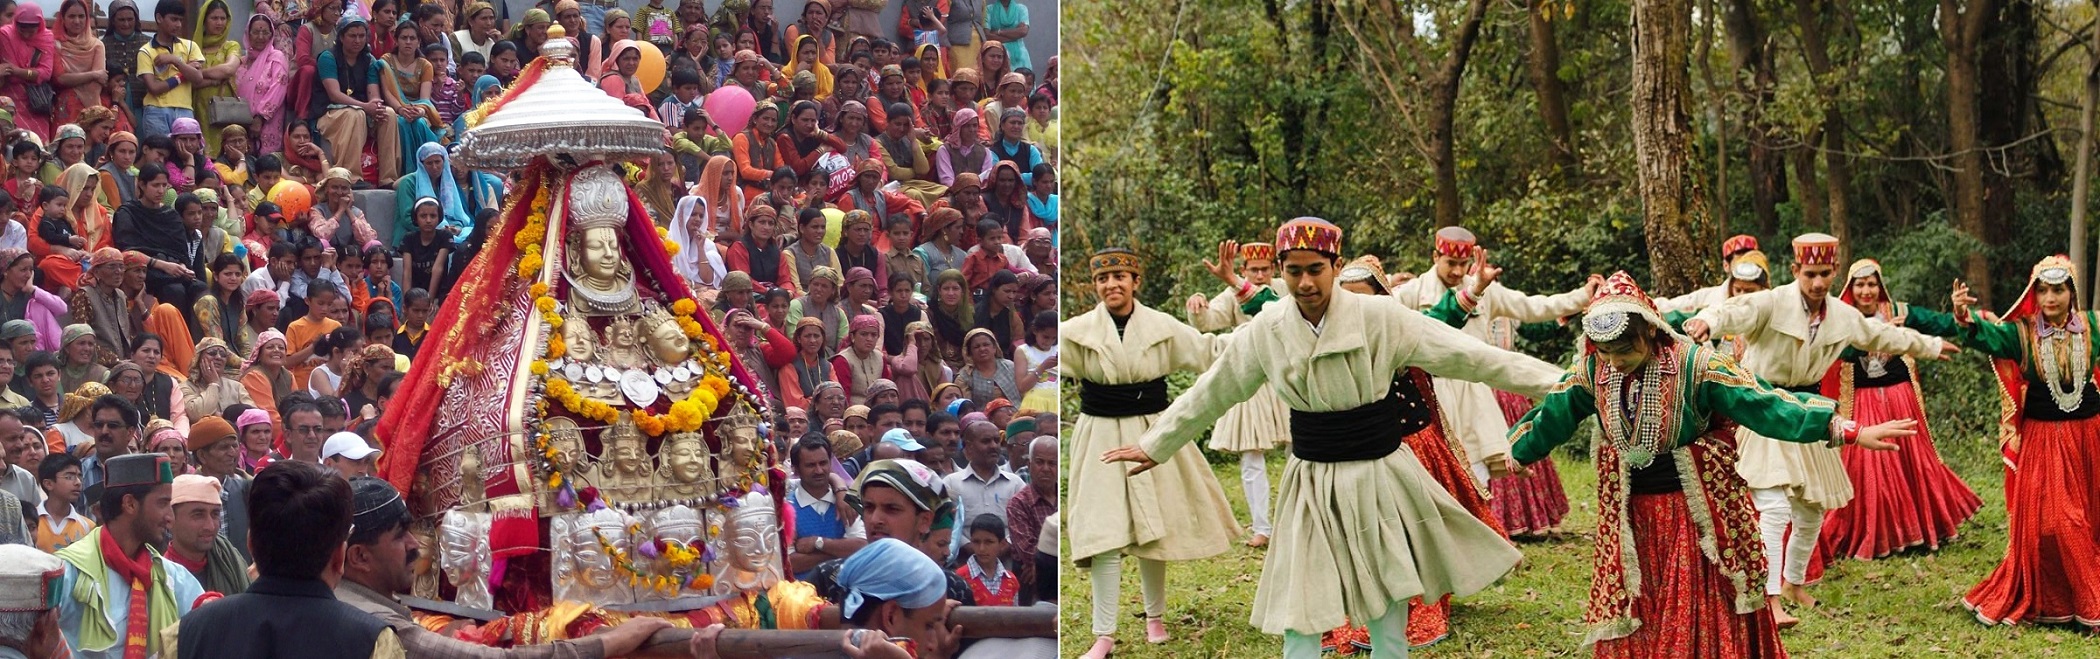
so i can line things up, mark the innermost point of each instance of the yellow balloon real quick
(833, 219)
(651, 71)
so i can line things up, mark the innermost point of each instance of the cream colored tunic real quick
(1261, 423)
(1471, 412)
(1774, 326)
(1692, 302)
(1353, 538)
(1174, 513)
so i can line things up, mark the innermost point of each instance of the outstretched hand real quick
(1130, 454)
(1947, 350)
(1198, 304)
(1484, 273)
(1963, 302)
(1222, 268)
(1874, 437)
(1697, 330)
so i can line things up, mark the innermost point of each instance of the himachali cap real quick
(1257, 252)
(1310, 233)
(1455, 242)
(1738, 244)
(1115, 259)
(857, 411)
(139, 469)
(196, 488)
(1816, 249)
(29, 579)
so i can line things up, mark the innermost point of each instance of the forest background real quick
(1941, 137)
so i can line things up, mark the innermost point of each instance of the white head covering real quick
(687, 260)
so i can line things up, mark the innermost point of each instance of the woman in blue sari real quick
(431, 176)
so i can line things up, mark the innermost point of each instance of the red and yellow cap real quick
(1816, 249)
(1737, 244)
(1257, 252)
(1310, 233)
(1456, 242)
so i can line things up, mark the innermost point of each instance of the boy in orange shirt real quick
(321, 299)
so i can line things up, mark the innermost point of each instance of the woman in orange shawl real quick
(722, 201)
(266, 377)
(82, 70)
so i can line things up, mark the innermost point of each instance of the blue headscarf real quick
(479, 92)
(891, 571)
(447, 194)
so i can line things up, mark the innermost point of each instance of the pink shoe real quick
(1104, 647)
(1156, 631)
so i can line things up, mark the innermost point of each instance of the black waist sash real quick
(1812, 388)
(1116, 401)
(1368, 432)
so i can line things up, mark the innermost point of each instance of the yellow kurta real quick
(1353, 538)
(1773, 325)
(1471, 413)
(1261, 423)
(1174, 513)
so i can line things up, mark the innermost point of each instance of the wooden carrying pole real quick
(976, 622)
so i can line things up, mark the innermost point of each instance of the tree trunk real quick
(1443, 104)
(1814, 213)
(2081, 181)
(1717, 112)
(1754, 80)
(1545, 79)
(1662, 141)
(1808, 14)
(1962, 31)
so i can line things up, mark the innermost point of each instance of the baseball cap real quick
(348, 445)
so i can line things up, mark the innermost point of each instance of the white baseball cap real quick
(348, 445)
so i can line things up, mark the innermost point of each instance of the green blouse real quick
(2009, 340)
(1718, 386)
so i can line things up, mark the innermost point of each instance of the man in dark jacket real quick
(299, 516)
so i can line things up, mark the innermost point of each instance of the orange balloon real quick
(293, 197)
(651, 71)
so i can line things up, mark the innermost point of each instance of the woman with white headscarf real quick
(697, 260)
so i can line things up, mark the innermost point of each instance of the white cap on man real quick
(348, 445)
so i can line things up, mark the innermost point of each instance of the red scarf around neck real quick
(137, 571)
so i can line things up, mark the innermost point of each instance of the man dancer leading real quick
(1792, 334)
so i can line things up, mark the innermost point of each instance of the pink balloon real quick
(730, 107)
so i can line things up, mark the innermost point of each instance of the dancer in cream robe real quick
(1792, 334)
(1360, 526)
(1471, 412)
(1262, 423)
(1121, 352)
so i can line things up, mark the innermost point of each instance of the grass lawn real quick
(1904, 606)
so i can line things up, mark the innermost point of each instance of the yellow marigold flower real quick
(539, 368)
(545, 304)
(554, 480)
(670, 249)
(539, 289)
(684, 307)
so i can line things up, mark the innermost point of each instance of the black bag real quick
(42, 98)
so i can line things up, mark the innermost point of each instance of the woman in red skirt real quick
(2047, 434)
(1678, 559)
(1903, 499)
(1529, 504)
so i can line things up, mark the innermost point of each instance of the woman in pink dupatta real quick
(26, 40)
(264, 78)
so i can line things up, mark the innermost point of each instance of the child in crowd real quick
(990, 582)
(686, 91)
(1042, 197)
(24, 159)
(350, 261)
(59, 522)
(54, 228)
(426, 249)
(415, 322)
(379, 275)
(988, 257)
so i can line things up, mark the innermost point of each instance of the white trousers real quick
(1254, 481)
(1388, 637)
(1785, 555)
(1107, 573)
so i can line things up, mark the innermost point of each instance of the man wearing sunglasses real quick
(303, 427)
(115, 424)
